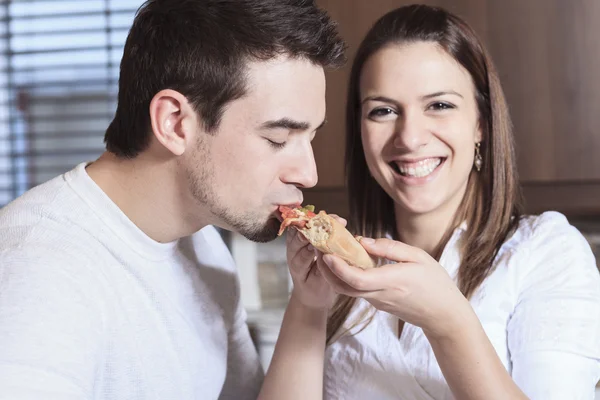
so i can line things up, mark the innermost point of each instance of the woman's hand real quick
(310, 288)
(417, 289)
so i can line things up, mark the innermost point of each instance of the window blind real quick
(58, 85)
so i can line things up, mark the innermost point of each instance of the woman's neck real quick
(425, 231)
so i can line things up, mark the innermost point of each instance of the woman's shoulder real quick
(548, 246)
(545, 231)
(557, 288)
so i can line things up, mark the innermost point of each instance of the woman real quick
(479, 301)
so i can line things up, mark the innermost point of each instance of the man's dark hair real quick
(200, 48)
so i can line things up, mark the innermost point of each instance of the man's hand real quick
(310, 287)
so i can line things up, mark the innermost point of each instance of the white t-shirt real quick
(540, 309)
(92, 308)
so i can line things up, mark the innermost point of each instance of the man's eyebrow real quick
(288, 123)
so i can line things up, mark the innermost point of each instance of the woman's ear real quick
(478, 134)
(170, 113)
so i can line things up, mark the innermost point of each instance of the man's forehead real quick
(286, 93)
(282, 70)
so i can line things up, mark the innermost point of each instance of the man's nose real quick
(301, 169)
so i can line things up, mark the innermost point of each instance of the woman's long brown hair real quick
(492, 204)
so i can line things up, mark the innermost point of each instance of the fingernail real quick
(328, 259)
(310, 248)
(367, 240)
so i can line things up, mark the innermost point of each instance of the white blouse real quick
(540, 309)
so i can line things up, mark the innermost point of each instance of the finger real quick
(393, 250)
(336, 283)
(301, 262)
(295, 241)
(369, 280)
(312, 269)
(339, 219)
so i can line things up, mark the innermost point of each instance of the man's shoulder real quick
(46, 199)
(43, 215)
(52, 202)
(25, 245)
(51, 265)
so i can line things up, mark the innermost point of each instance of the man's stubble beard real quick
(201, 182)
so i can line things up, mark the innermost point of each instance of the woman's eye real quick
(438, 106)
(381, 112)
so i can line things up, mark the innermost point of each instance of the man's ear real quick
(171, 119)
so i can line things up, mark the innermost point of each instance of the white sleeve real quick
(244, 371)
(50, 327)
(554, 332)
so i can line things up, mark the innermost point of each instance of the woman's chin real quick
(417, 205)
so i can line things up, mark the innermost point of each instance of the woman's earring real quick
(478, 159)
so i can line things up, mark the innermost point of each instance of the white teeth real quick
(420, 169)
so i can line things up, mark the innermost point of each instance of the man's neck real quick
(148, 192)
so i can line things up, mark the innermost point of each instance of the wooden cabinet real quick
(548, 55)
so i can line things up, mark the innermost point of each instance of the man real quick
(113, 282)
